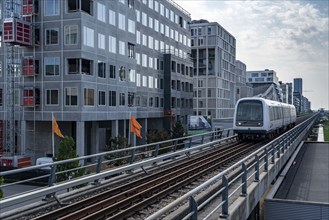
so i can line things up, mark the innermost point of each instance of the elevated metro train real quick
(256, 118)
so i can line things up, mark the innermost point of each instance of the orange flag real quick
(56, 128)
(135, 127)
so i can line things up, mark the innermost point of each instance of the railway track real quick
(123, 201)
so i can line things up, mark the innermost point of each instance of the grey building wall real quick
(138, 84)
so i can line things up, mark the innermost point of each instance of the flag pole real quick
(52, 134)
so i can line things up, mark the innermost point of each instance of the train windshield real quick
(251, 110)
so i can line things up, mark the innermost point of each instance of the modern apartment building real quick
(242, 88)
(93, 63)
(214, 55)
(265, 84)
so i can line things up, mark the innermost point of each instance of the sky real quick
(290, 37)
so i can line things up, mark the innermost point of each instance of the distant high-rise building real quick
(285, 91)
(298, 94)
(298, 85)
(290, 93)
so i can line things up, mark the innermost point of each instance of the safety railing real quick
(234, 180)
(111, 163)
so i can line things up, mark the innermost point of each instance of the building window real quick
(144, 81)
(131, 26)
(132, 75)
(151, 82)
(101, 69)
(112, 17)
(101, 12)
(151, 102)
(122, 73)
(51, 97)
(122, 100)
(131, 4)
(75, 64)
(88, 36)
(122, 48)
(112, 71)
(131, 97)
(71, 34)
(51, 66)
(80, 5)
(51, 36)
(138, 79)
(112, 44)
(51, 7)
(131, 49)
(122, 22)
(144, 60)
(144, 19)
(71, 96)
(157, 102)
(101, 97)
(88, 96)
(101, 41)
(112, 98)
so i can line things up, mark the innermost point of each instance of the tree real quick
(117, 143)
(157, 136)
(178, 130)
(65, 152)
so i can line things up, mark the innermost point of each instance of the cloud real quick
(290, 37)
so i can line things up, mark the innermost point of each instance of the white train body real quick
(261, 117)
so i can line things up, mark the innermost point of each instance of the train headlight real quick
(239, 123)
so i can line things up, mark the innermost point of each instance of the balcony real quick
(30, 67)
(31, 97)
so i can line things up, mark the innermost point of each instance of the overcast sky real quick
(289, 37)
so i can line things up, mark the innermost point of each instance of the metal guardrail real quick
(248, 172)
(132, 158)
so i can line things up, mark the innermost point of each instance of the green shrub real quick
(66, 152)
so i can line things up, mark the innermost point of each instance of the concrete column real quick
(115, 128)
(80, 142)
(95, 137)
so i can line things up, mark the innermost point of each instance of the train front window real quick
(250, 111)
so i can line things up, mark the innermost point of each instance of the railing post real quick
(282, 145)
(225, 196)
(278, 149)
(244, 179)
(266, 160)
(228, 133)
(156, 152)
(175, 146)
(132, 158)
(212, 136)
(51, 180)
(52, 176)
(99, 162)
(193, 208)
(257, 168)
(273, 153)
(98, 167)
